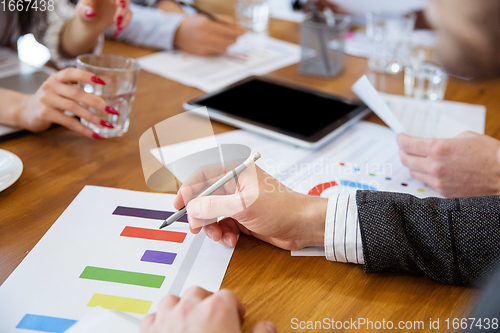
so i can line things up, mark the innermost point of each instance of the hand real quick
(201, 36)
(260, 206)
(200, 311)
(460, 167)
(101, 14)
(56, 95)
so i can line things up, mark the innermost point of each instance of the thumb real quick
(214, 206)
(265, 327)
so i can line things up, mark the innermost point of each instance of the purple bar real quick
(146, 213)
(159, 257)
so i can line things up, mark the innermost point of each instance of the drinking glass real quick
(389, 39)
(253, 15)
(424, 78)
(120, 76)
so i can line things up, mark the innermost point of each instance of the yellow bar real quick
(118, 303)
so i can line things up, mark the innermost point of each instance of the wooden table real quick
(59, 163)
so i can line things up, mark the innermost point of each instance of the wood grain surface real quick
(275, 286)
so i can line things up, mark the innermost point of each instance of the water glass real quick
(253, 15)
(322, 42)
(120, 75)
(424, 78)
(389, 39)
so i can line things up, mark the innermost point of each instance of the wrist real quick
(311, 216)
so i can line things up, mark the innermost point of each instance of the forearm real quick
(78, 37)
(10, 110)
(453, 241)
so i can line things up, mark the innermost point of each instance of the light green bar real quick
(118, 303)
(117, 276)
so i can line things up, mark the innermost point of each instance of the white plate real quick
(11, 169)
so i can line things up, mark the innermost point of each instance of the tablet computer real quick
(297, 115)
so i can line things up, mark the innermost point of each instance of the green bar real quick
(117, 276)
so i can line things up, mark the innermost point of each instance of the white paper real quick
(366, 156)
(100, 320)
(370, 96)
(252, 54)
(47, 282)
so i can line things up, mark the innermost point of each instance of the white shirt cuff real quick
(342, 234)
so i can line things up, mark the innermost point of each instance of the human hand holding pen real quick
(259, 206)
(202, 36)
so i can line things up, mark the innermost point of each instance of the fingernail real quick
(111, 110)
(195, 209)
(227, 240)
(119, 21)
(210, 232)
(122, 3)
(97, 136)
(97, 80)
(90, 13)
(117, 32)
(106, 124)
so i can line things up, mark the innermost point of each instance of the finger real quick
(195, 223)
(215, 206)
(265, 327)
(213, 231)
(226, 30)
(86, 10)
(414, 162)
(230, 232)
(425, 178)
(147, 322)
(168, 302)
(232, 300)
(415, 146)
(468, 134)
(196, 293)
(60, 103)
(73, 124)
(71, 74)
(73, 93)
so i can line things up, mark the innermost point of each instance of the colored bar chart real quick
(146, 213)
(118, 303)
(159, 257)
(154, 234)
(126, 277)
(45, 324)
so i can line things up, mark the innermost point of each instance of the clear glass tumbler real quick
(322, 44)
(253, 15)
(120, 75)
(424, 78)
(389, 39)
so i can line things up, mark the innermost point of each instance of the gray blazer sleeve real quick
(454, 241)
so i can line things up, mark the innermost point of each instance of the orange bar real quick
(154, 234)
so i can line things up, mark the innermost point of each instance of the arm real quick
(38, 111)
(453, 241)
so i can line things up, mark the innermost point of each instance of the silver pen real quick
(214, 187)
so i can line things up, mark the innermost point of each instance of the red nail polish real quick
(117, 32)
(90, 13)
(122, 3)
(111, 110)
(119, 21)
(106, 124)
(97, 136)
(97, 80)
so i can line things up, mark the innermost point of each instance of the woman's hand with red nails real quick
(104, 13)
(57, 95)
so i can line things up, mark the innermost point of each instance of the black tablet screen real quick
(291, 110)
